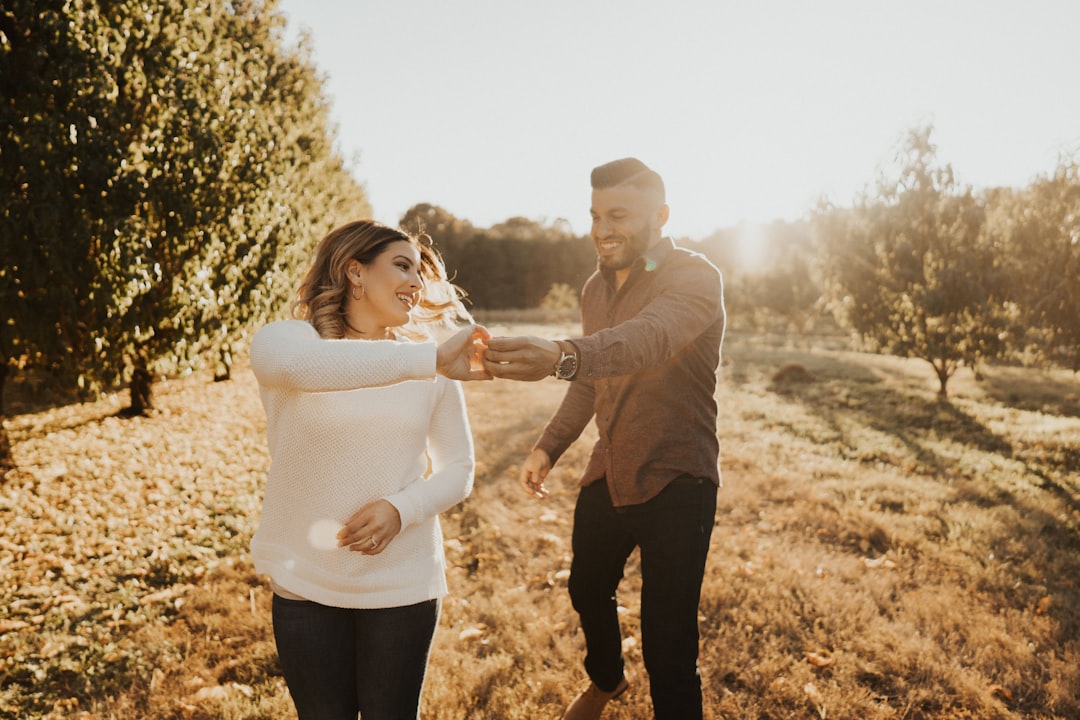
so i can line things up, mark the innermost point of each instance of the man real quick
(653, 321)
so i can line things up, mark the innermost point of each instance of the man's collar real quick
(655, 254)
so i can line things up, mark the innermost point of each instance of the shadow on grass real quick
(840, 394)
(918, 418)
(843, 390)
(1032, 390)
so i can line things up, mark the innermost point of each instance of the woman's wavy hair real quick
(322, 294)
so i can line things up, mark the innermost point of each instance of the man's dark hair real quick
(628, 171)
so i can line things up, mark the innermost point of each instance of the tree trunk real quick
(943, 375)
(6, 461)
(140, 389)
(223, 368)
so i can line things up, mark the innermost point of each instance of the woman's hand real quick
(461, 357)
(371, 528)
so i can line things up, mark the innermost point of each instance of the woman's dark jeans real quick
(673, 531)
(339, 661)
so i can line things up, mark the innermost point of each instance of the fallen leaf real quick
(881, 562)
(245, 690)
(815, 697)
(549, 539)
(471, 633)
(214, 693)
(819, 659)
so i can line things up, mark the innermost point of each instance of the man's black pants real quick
(672, 531)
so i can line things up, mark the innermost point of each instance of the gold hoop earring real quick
(362, 291)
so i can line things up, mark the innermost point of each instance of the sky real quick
(752, 111)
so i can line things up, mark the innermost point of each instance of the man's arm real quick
(568, 422)
(691, 301)
(687, 304)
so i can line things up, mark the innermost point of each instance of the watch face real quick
(567, 367)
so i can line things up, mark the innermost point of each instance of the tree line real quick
(171, 164)
(919, 266)
(515, 264)
(922, 266)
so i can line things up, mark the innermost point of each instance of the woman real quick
(357, 400)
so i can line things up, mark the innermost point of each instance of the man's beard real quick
(636, 245)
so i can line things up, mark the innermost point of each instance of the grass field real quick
(877, 553)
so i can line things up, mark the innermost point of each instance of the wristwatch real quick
(566, 367)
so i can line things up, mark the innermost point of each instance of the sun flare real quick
(752, 246)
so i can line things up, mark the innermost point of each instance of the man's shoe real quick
(590, 704)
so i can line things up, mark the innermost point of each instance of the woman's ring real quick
(374, 542)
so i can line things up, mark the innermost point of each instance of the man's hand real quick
(460, 357)
(536, 467)
(521, 358)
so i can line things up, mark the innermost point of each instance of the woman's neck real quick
(354, 333)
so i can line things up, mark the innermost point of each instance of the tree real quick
(1038, 229)
(438, 223)
(50, 157)
(909, 269)
(172, 165)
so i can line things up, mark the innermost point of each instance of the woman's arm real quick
(290, 354)
(450, 447)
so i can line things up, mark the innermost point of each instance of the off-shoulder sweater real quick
(349, 422)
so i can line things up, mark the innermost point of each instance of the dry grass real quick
(877, 554)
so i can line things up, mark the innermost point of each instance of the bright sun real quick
(752, 247)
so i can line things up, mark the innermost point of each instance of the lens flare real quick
(323, 534)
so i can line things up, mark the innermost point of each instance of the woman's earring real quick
(361, 295)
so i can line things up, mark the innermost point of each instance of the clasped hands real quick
(473, 354)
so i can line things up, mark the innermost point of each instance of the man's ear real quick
(660, 217)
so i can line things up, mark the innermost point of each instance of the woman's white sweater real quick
(350, 422)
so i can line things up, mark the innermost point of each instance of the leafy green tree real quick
(53, 161)
(909, 269)
(172, 165)
(1039, 231)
